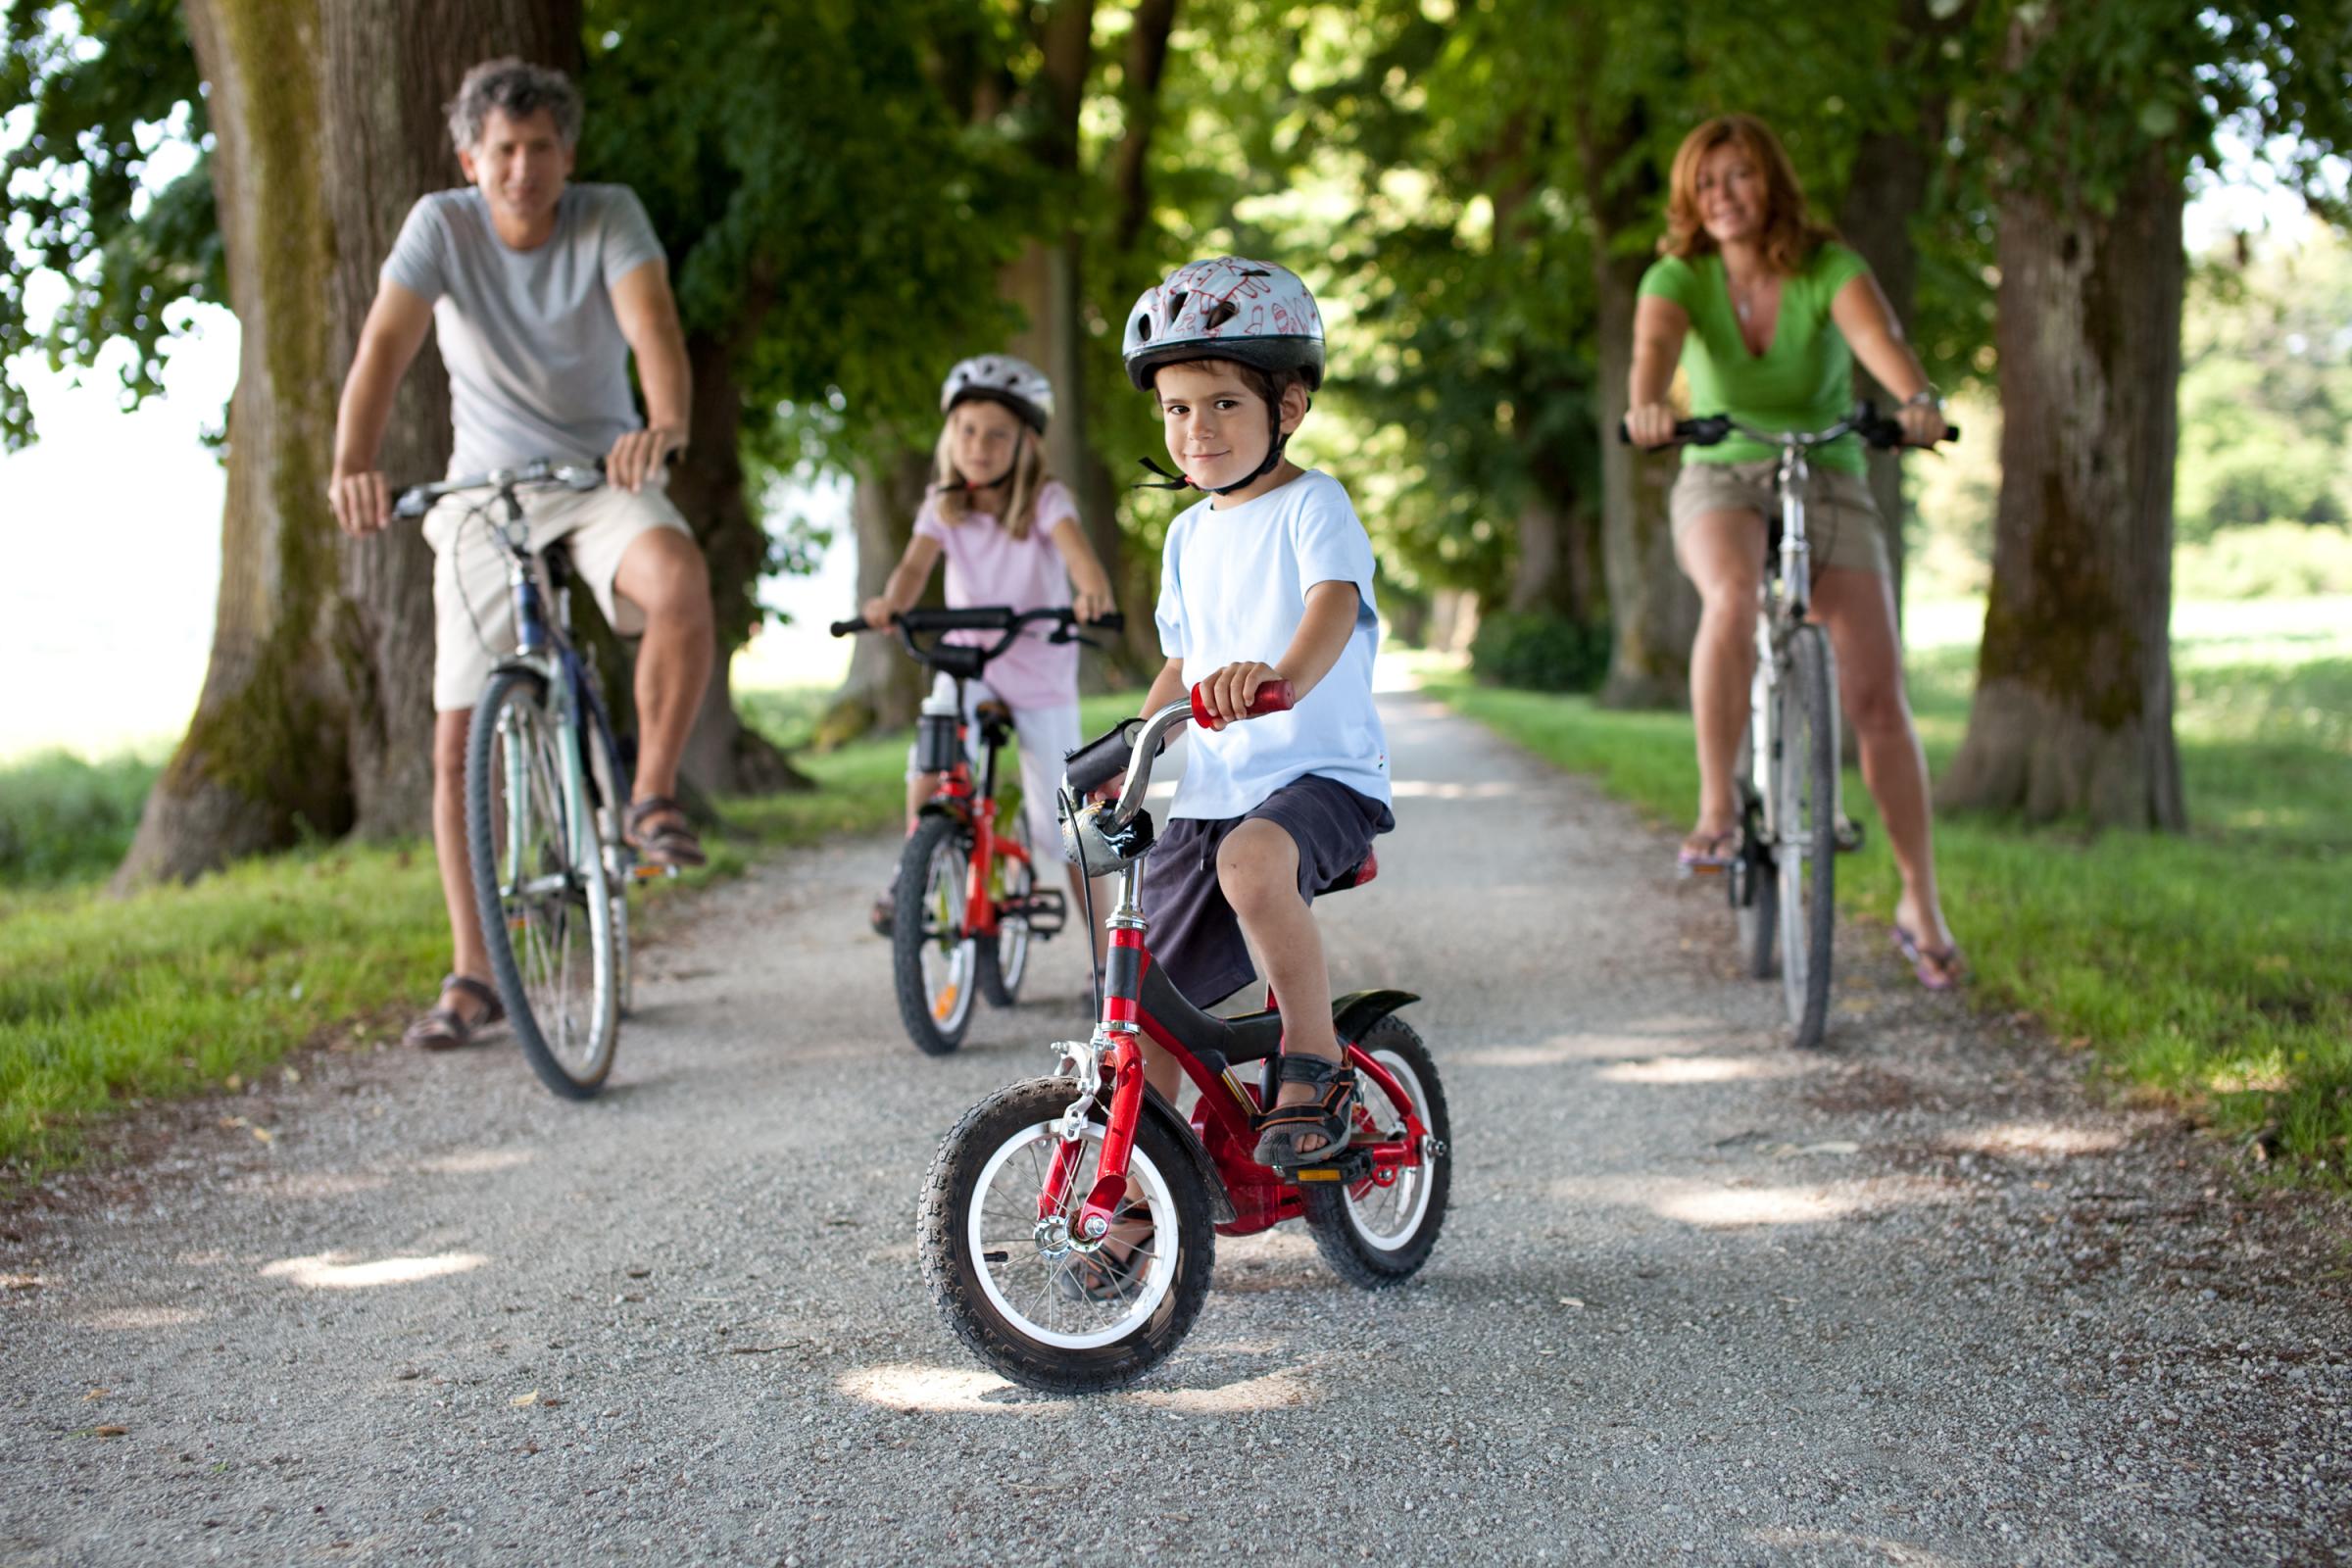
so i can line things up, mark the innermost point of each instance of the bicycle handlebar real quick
(1096, 763)
(1714, 428)
(993, 618)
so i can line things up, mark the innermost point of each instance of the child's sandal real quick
(1330, 1115)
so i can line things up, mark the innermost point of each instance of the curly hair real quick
(520, 89)
(1790, 234)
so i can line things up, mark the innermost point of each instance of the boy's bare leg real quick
(1257, 867)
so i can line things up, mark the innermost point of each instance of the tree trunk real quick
(884, 687)
(1886, 189)
(316, 713)
(1653, 611)
(722, 756)
(2074, 704)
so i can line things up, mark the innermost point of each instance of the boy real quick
(1267, 579)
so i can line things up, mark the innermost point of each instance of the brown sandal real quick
(441, 1027)
(670, 844)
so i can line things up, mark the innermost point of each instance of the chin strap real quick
(968, 486)
(1177, 482)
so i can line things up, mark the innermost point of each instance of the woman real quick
(1767, 313)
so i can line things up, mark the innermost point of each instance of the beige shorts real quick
(1841, 517)
(474, 617)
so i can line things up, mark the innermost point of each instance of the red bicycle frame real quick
(1140, 1003)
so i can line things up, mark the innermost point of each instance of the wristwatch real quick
(1925, 397)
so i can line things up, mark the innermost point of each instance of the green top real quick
(1803, 380)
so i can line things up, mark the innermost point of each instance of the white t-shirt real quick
(1232, 586)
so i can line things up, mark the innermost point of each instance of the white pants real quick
(1045, 736)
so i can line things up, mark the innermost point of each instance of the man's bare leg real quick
(469, 957)
(663, 575)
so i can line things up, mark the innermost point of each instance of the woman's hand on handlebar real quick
(1227, 695)
(1650, 424)
(1923, 423)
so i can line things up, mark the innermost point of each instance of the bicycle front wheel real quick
(540, 885)
(1805, 830)
(931, 956)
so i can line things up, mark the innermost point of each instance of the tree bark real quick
(1653, 611)
(884, 687)
(1888, 188)
(722, 756)
(2074, 703)
(316, 713)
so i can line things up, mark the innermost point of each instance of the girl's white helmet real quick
(1226, 307)
(1001, 379)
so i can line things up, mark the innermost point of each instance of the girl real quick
(1012, 537)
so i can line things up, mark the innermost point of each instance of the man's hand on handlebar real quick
(362, 502)
(638, 455)
(1227, 695)
(1650, 424)
(1923, 423)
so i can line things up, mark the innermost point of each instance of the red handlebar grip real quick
(1274, 697)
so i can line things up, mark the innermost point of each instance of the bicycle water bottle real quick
(936, 749)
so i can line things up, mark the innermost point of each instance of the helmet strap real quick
(1277, 440)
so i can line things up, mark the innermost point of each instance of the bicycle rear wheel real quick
(1001, 965)
(540, 885)
(1805, 830)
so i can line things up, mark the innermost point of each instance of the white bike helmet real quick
(1226, 307)
(1001, 379)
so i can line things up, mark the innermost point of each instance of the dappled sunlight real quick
(1422, 789)
(1273, 1391)
(942, 1390)
(476, 1161)
(1717, 1205)
(329, 1271)
(1809, 1543)
(1756, 1206)
(1642, 1042)
(2035, 1138)
(1702, 1069)
(133, 1319)
(315, 1184)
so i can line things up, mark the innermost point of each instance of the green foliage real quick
(98, 88)
(2266, 389)
(64, 820)
(1534, 651)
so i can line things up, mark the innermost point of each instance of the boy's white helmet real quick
(1001, 379)
(1226, 307)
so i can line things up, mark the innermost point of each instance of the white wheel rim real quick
(947, 968)
(1387, 1217)
(1003, 1219)
(1799, 831)
(545, 931)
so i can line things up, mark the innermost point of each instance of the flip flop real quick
(1708, 852)
(1936, 968)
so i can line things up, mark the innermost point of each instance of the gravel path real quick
(1910, 1300)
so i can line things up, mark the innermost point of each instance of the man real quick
(541, 291)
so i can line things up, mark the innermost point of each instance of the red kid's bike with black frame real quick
(965, 904)
(1068, 1224)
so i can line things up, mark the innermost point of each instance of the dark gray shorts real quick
(1193, 934)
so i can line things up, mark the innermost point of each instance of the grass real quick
(2211, 970)
(108, 1003)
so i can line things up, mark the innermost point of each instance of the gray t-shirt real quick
(537, 365)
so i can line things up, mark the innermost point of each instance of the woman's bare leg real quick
(1722, 555)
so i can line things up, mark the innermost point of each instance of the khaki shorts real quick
(1841, 517)
(473, 616)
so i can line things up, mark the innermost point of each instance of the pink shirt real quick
(987, 566)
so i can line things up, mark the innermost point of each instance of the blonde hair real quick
(1790, 235)
(1029, 481)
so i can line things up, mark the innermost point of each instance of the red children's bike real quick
(1068, 1224)
(966, 904)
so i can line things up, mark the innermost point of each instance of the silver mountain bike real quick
(1783, 886)
(546, 788)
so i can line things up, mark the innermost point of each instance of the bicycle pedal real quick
(1046, 912)
(1848, 835)
(652, 873)
(1352, 1165)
